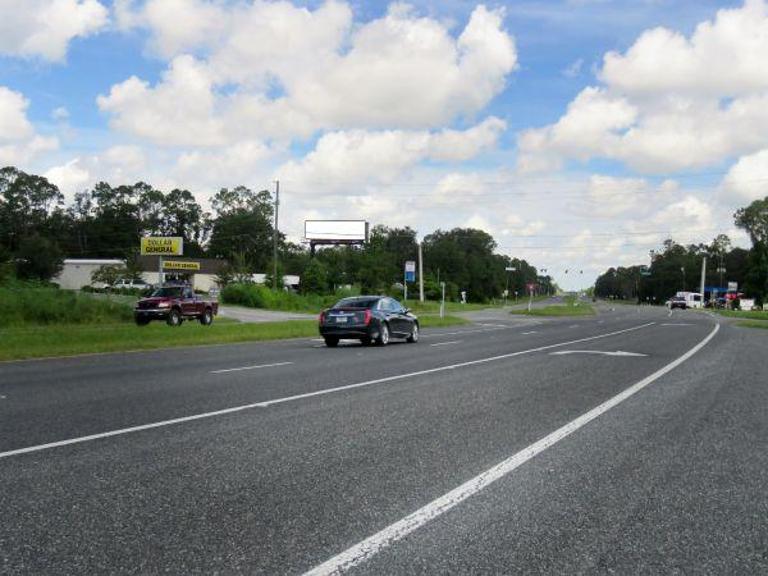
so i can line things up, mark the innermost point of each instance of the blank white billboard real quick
(336, 230)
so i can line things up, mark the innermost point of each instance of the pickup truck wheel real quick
(207, 317)
(174, 318)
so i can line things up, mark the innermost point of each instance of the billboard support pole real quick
(160, 278)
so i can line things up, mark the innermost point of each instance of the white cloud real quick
(725, 57)
(574, 68)
(44, 28)
(60, 114)
(19, 142)
(71, 177)
(747, 180)
(179, 111)
(351, 160)
(669, 103)
(309, 71)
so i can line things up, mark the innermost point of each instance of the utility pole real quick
(274, 236)
(421, 276)
(703, 277)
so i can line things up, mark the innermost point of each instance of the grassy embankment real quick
(748, 319)
(43, 322)
(570, 307)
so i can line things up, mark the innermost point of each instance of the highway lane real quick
(282, 489)
(50, 400)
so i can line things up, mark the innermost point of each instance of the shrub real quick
(256, 296)
(31, 304)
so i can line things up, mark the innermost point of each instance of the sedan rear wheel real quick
(383, 335)
(331, 341)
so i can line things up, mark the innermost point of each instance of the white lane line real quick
(433, 335)
(447, 343)
(250, 367)
(675, 324)
(306, 395)
(597, 352)
(444, 368)
(374, 544)
(531, 332)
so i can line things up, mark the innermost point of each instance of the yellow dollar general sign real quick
(159, 246)
(178, 265)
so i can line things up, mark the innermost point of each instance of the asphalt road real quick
(631, 442)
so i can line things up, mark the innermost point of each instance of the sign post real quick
(442, 302)
(530, 287)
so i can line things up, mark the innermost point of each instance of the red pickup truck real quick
(174, 304)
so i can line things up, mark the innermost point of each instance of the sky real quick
(579, 133)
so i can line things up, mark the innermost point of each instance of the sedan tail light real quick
(367, 319)
(321, 319)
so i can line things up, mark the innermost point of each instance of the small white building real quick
(76, 272)
(199, 272)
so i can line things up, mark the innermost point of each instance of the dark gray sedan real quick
(368, 319)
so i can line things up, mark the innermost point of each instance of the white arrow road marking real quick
(599, 352)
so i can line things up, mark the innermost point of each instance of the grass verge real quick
(557, 311)
(67, 340)
(753, 324)
(746, 314)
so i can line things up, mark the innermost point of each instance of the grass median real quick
(23, 342)
(571, 307)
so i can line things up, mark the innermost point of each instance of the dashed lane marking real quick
(385, 538)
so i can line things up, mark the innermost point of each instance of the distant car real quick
(126, 283)
(368, 319)
(677, 302)
(174, 304)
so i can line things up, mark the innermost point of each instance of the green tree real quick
(27, 203)
(108, 274)
(314, 278)
(754, 220)
(242, 223)
(38, 258)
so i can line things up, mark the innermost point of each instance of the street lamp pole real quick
(682, 269)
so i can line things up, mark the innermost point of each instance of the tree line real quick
(37, 230)
(676, 268)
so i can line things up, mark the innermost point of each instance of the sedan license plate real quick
(341, 319)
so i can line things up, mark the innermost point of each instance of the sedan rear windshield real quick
(168, 292)
(361, 303)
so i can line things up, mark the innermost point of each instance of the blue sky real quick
(508, 116)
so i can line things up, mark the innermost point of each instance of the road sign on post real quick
(410, 271)
(733, 286)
